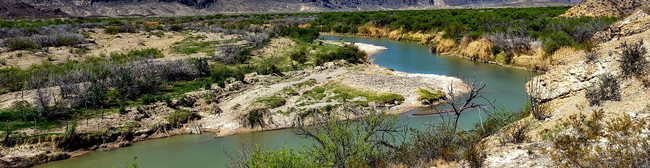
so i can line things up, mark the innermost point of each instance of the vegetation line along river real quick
(506, 85)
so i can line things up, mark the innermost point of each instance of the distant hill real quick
(12, 9)
(121, 8)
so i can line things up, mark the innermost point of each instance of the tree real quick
(343, 142)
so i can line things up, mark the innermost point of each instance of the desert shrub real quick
(633, 62)
(148, 99)
(349, 53)
(475, 155)
(500, 118)
(149, 53)
(299, 56)
(229, 54)
(200, 64)
(607, 88)
(516, 132)
(181, 117)
(113, 30)
(437, 141)
(220, 73)
(120, 27)
(19, 43)
(122, 110)
(540, 111)
(257, 39)
(176, 28)
(591, 57)
(168, 101)
(555, 41)
(58, 39)
(593, 142)
(301, 34)
(187, 101)
(343, 143)
(285, 157)
(268, 70)
(256, 117)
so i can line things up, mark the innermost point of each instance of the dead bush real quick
(607, 88)
(633, 62)
(593, 142)
(516, 132)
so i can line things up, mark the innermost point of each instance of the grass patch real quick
(42, 125)
(194, 44)
(317, 93)
(272, 102)
(308, 83)
(342, 92)
(430, 97)
(348, 93)
(181, 117)
(289, 92)
(128, 126)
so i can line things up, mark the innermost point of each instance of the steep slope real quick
(564, 89)
(619, 8)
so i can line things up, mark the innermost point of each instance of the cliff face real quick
(116, 8)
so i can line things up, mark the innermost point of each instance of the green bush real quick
(176, 28)
(181, 117)
(148, 99)
(349, 53)
(187, 101)
(221, 73)
(20, 43)
(301, 34)
(260, 158)
(556, 40)
(149, 53)
(113, 30)
(122, 110)
(299, 56)
(256, 117)
(268, 70)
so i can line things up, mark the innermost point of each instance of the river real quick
(506, 85)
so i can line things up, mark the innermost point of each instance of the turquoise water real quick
(505, 85)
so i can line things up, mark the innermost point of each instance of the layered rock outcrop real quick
(636, 23)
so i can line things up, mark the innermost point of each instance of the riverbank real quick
(480, 50)
(223, 111)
